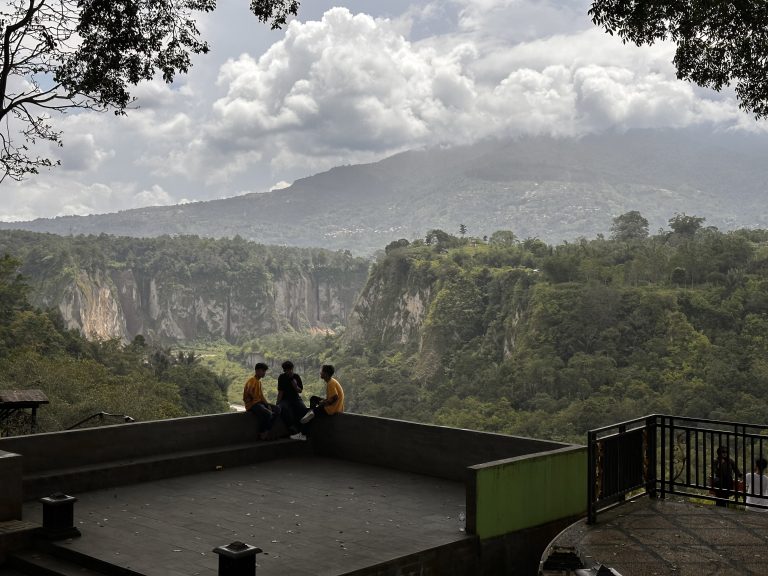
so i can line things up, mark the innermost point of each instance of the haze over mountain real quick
(554, 189)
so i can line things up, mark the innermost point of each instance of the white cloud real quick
(81, 153)
(348, 88)
(280, 185)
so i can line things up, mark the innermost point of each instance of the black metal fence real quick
(659, 455)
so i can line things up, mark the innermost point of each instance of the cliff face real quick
(393, 305)
(426, 302)
(124, 303)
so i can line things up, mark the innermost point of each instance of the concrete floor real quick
(310, 516)
(673, 537)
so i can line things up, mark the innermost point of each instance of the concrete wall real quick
(418, 448)
(10, 486)
(89, 446)
(81, 460)
(521, 493)
(455, 559)
(518, 505)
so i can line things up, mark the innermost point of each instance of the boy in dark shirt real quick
(289, 388)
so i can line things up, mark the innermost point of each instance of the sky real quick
(356, 81)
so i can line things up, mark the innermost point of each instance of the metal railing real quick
(102, 416)
(659, 455)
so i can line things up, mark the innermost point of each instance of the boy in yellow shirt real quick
(255, 402)
(333, 403)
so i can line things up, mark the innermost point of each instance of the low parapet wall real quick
(521, 503)
(11, 494)
(91, 458)
(420, 448)
(90, 446)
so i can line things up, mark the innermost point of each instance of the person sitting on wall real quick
(256, 403)
(757, 485)
(333, 403)
(289, 389)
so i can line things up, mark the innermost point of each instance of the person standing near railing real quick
(757, 485)
(725, 473)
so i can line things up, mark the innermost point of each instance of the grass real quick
(214, 355)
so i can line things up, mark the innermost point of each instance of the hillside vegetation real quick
(82, 377)
(550, 341)
(498, 333)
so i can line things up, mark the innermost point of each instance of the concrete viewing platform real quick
(365, 496)
(310, 516)
(671, 537)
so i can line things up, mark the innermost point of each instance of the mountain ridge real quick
(555, 189)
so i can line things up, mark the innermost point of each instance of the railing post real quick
(663, 466)
(237, 559)
(651, 480)
(591, 478)
(671, 457)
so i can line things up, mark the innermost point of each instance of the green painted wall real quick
(531, 490)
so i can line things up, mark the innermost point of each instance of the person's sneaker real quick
(307, 417)
(298, 436)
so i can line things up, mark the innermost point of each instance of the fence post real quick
(651, 479)
(591, 478)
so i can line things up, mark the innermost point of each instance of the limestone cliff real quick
(420, 299)
(186, 288)
(393, 305)
(125, 303)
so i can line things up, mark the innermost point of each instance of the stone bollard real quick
(237, 559)
(59, 517)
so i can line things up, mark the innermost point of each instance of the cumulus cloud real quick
(351, 88)
(348, 88)
(82, 153)
(51, 195)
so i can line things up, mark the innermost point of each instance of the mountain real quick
(555, 189)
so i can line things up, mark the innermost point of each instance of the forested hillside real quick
(548, 341)
(498, 333)
(177, 289)
(82, 377)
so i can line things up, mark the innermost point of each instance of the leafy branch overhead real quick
(63, 55)
(718, 43)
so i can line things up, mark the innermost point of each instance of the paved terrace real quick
(310, 516)
(365, 497)
(671, 537)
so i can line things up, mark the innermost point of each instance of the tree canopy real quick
(629, 226)
(82, 377)
(718, 43)
(59, 55)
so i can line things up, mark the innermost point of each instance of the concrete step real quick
(52, 559)
(37, 563)
(63, 551)
(16, 535)
(130, 471)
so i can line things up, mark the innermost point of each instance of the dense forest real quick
(81, 377)
(520, 337)
(496, 333)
